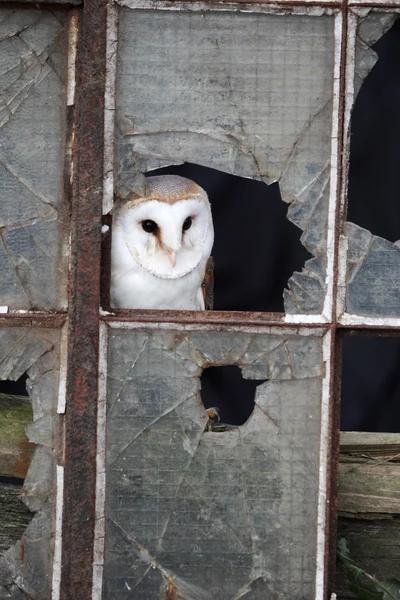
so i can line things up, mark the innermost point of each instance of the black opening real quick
(371, 384)
(256, 248)
(371, 365)
(225, 389)
(374, 176)
(14, 388)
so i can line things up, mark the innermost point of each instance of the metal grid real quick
(90, 123)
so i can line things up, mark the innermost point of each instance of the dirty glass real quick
(27, 566)
(246, 93)
(208, 514)
(373, 263)
(33, 51)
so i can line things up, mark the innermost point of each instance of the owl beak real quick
(171, 255)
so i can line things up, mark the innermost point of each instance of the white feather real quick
(142, 273)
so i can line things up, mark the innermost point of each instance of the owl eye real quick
(149, 226)
(187, 223)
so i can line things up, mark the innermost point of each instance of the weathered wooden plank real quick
(369, 504)
(374, 546)
(371, 443)
(369, 475)
(369, 489)
(14, 515)
(15, 449)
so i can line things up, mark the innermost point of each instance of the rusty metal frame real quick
(83, 344)
(42, 4)
(86, 123)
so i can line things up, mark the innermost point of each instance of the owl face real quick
(168, 234)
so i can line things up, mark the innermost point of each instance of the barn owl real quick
(160, 246)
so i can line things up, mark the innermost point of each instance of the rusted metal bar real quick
(33, 320)
(83, 346)
(324, 3)
(204, 317)
(335, 351)
(41, 4)
(365, 329)
(374, 4)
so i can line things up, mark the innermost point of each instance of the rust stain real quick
(190, 316)
(32, 319)
(23, 461)
(172, 592)
(84, 286)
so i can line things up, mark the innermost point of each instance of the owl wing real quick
(207, 287)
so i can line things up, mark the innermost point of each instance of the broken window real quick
(28, 565)
(198, 511)
(33, 213)
(373, 263)
(245, 101)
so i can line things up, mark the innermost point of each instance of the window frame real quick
(90, 124)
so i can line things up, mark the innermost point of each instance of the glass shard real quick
(33, 48)
(211, 514)
(26, 568)
(373, 263)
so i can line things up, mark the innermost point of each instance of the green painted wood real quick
(15, 449)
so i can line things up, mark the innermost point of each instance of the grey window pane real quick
(33, 255)
(27, 566)
(373, 274)
(373, 263)
(213, 512)
(249, 94)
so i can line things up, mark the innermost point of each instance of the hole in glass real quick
(15, 456)
(256, 249)
(374, 182)
(227, 396)
(370, 384)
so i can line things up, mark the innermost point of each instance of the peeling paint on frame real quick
(62, 388)
(72, 45)
(271, 330)
(99, 534)
(109, 106)
(323, 486)
(55, 592)
(285, 7)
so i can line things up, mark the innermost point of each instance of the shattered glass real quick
(244, 92)
(27, 566)
(373, 263)
(200, 514)
(33, 256)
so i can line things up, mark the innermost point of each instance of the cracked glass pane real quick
(373, 263)
(252, 96)
(202, 514)
(33, 50)
(26, 568)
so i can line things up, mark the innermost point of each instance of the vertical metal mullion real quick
(84, 296)
(333, 434)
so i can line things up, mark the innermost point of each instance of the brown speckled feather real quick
(208, 285)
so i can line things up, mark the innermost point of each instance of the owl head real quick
(168, 232)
